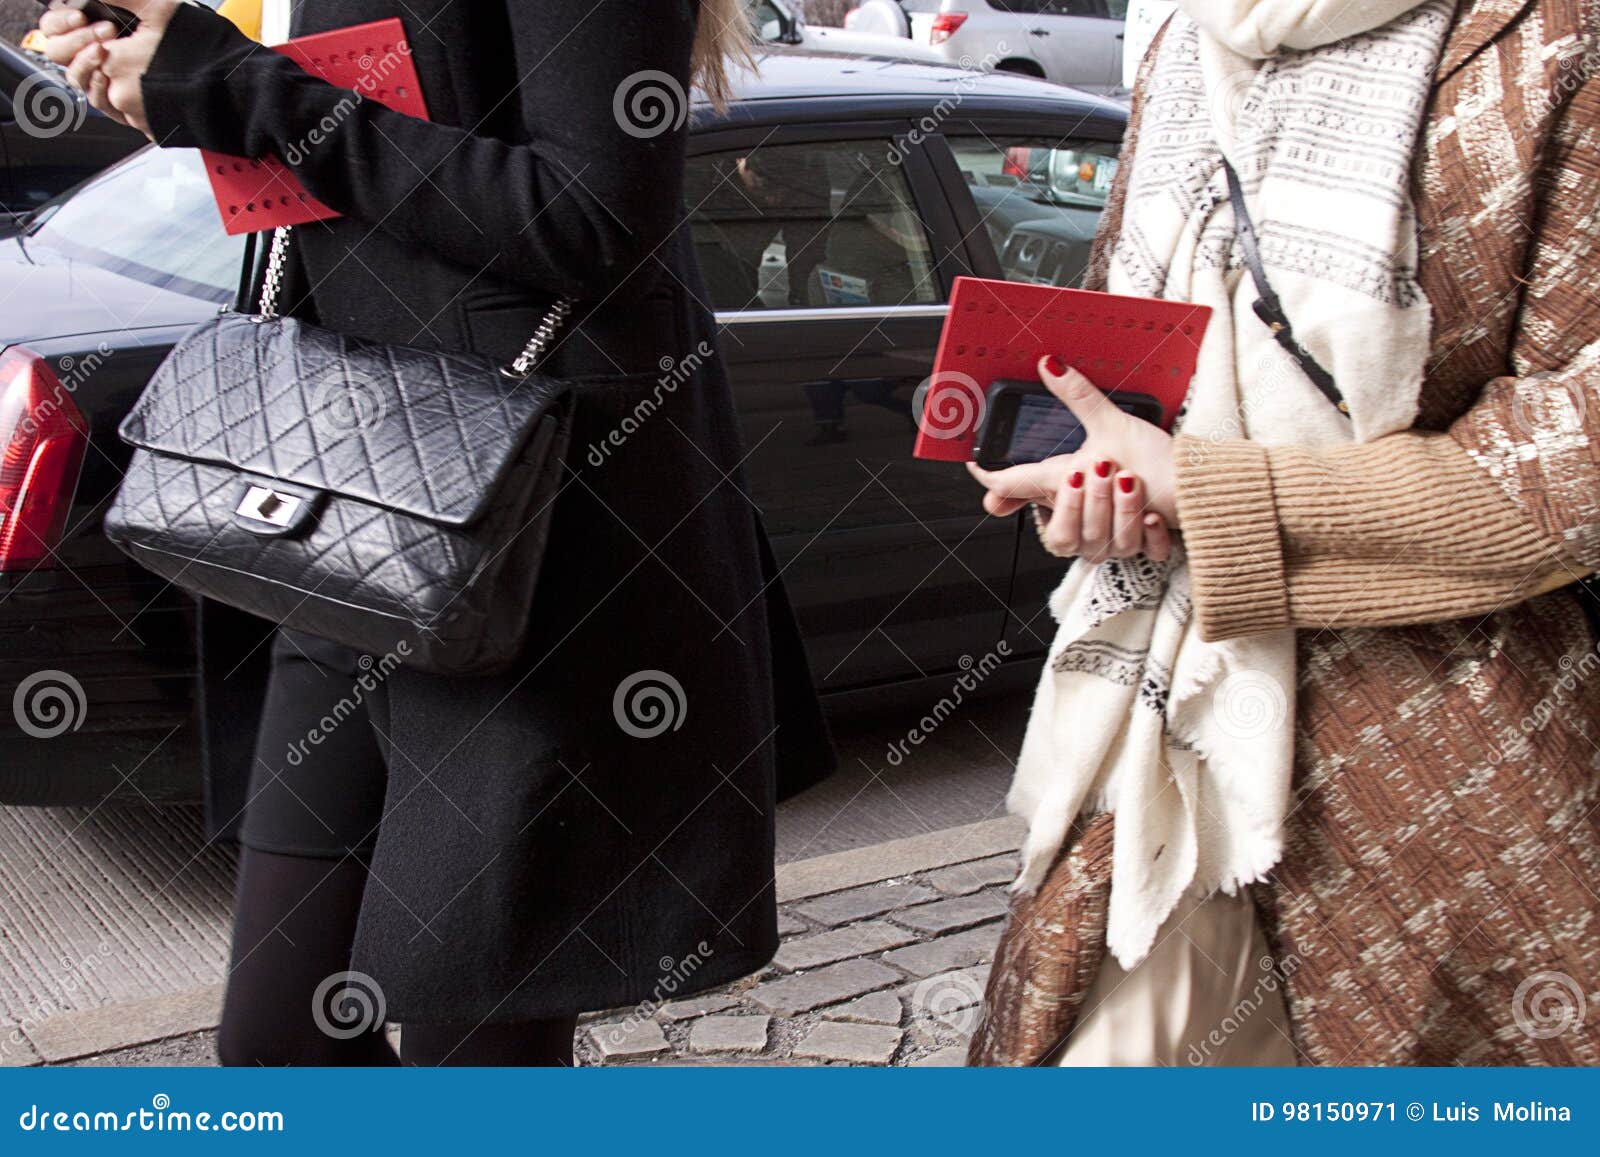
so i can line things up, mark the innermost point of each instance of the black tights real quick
(307, 837)
(294, 921)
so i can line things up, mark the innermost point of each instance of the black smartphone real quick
(95, 11)
(1024, 422)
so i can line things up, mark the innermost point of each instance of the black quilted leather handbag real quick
(396, 500)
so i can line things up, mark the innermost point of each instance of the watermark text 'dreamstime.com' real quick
(159, 1117)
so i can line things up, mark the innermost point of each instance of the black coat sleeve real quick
(574, 210)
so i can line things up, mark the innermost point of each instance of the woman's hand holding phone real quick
(1115, 497)
(108, 70)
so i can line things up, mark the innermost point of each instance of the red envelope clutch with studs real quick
(1000, 329)
(374, 62)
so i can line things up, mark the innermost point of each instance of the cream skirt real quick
(1206, 995)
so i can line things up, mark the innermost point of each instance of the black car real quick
(831, 205)
(50, 139)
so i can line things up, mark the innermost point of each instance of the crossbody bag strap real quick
(538, 345)
(1267, 306)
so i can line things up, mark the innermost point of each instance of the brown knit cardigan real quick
(1437, 898)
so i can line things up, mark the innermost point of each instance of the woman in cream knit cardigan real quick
(1314, 778)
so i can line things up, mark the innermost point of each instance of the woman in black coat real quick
(482, 859)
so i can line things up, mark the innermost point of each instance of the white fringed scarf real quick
(1318, 104)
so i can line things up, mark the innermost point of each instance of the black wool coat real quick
(536, 856)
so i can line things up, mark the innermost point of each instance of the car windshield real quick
(150, 217)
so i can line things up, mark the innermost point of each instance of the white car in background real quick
(1074, 42)
(780, 22)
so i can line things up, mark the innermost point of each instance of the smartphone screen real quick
(1044, 428)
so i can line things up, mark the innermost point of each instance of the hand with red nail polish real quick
(1114, 497)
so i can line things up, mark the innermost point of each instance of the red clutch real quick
(372, 60)
(1000, 329)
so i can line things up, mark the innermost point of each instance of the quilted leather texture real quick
(435, 500)
(423, 431)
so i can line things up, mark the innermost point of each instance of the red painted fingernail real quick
(1102, 469)
(1076, 480)
(1055, 365)
(1125, 483)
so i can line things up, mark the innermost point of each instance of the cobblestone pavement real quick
(886, 973)
(884, 956)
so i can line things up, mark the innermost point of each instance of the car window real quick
(151, 217)
(1040, 201)
(1049, 7)
(1117, 9)
(766, 19)
(814, 225)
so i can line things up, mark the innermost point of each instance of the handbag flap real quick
(423, 432)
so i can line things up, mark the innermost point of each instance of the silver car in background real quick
(1073, 42)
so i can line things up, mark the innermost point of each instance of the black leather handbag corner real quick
(395, 500)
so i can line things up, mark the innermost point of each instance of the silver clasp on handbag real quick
(264, 504)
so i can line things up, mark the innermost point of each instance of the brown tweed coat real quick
(1437, 899)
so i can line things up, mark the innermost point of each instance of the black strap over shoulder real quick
(1268, 308)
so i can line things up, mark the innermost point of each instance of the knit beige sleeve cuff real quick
(1230, 531)
(1402, 530)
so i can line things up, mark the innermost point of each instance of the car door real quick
(1071, 39)
(827, 255)
(1028, 197)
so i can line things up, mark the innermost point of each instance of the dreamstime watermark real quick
(949, 404)
(45, 107)
(71, 979)
(1234, 107)
(347, 1005)
(344, 401)
(973, 674)
(649, 103)
(1249, 704)
(373, 673)
(1574, 673)
(375, 71)
(1546, 403)
(70, 373)
(1272, 979)
(1549, 1004)
(160, 1117)
(673, 978)
(674, 372)
(929, 122)
(649, 703)
(49, 703)
(954, 999)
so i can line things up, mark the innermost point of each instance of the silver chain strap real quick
(521, 366)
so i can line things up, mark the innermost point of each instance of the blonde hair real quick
(722, 43)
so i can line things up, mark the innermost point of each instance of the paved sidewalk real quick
(890, 971)
(885, 953)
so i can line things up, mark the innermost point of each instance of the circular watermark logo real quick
(649, 103)
(347, 1004)
(1249, 704)
(344, 402)
(1548, 1004)
(1235, 111)
(1545, 402)
(949, 404)
(956, 998)
(648, 704)
(44, 107)
(49, 703)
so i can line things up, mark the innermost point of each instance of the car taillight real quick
(945, 25)
(42, 442)
(1019, 159)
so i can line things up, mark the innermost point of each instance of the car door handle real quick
(1038, 32)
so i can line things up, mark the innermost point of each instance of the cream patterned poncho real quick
(1318, 104)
